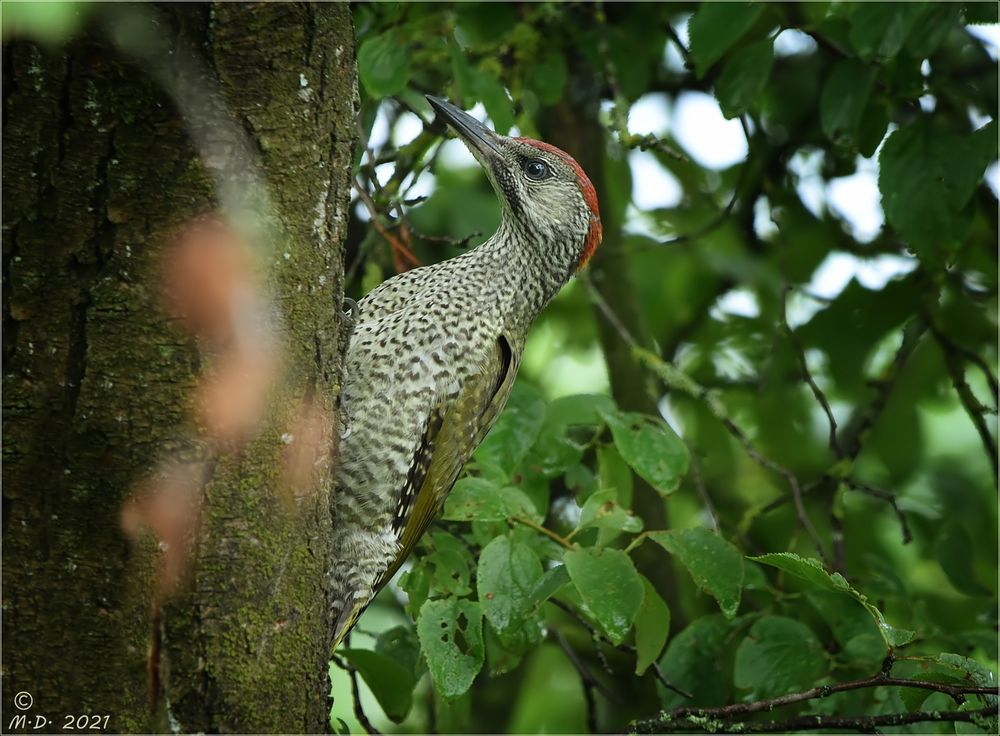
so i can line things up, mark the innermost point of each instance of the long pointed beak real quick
(476, 135)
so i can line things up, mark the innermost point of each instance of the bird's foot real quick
(351, 312)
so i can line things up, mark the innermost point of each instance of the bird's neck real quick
(529, 270)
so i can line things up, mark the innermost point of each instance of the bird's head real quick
(540, 186)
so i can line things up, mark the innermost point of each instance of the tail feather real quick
(349, 616)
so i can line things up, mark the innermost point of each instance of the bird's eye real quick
(536, 169)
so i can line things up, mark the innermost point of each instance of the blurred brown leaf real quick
(208, 279)
(307, 453)
(169, 505)
(231, 399)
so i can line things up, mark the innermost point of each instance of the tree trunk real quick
(98, 172)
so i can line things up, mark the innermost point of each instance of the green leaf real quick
(610, 587)
(451, 636)
(452, 571)
(946, 668)
(927, 176)
(966, 669)
(373, 275)
(477, 499)
(552, 455)
(482, 23)
(400, 644)
(578, 409)
(715, 564)
(499, 659)
(602, 511)
(874, 123)
(516, 429)
(699, 659)
(494, 98)
(778, 656)
(812, 571)
(507, 574)
(715, 27)
(852, 627)
(651, 448)
(549, 584)
(417, 584)
(744, 78)
(652, 624)
(614, 474)
(50, 22)
(878, 30)
(504, 651)
(844, 99)
(931, 28)
(953, 550)
(384, 64)
(390, 682)
(981, 12)
(548, 77)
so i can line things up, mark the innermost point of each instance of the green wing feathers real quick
(455, 429)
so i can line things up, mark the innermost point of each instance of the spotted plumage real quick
(434, 353)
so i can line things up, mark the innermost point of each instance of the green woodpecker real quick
(434, 353)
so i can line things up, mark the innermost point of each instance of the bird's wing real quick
(453, 430)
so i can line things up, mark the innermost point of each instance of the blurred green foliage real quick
(874, 399)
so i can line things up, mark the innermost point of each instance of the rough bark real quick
(98, 171)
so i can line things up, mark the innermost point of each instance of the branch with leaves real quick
(732, 717)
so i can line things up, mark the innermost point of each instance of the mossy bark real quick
(98, 171)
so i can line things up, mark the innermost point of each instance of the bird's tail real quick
(349, 615)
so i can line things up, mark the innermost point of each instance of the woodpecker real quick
(434, 353)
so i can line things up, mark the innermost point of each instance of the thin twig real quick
(862, 421)
(790, 479)
(889, 498)
(609, 313)
(972, 406)
(447, 239)
(400, 252)
(949, 345)
(542, 530)
(808, 377)
(672, 34)
(864, 418)
(699, 483)
(589, 682)
(626, 648)
(649, 141)
(359, 711)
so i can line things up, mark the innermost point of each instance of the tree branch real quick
(971, 404)
(889, 498)
(626, 648)
(589, 682)
(862, 421)
(862, 724)
(807, 376)
(359, 711)
(728, 717)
